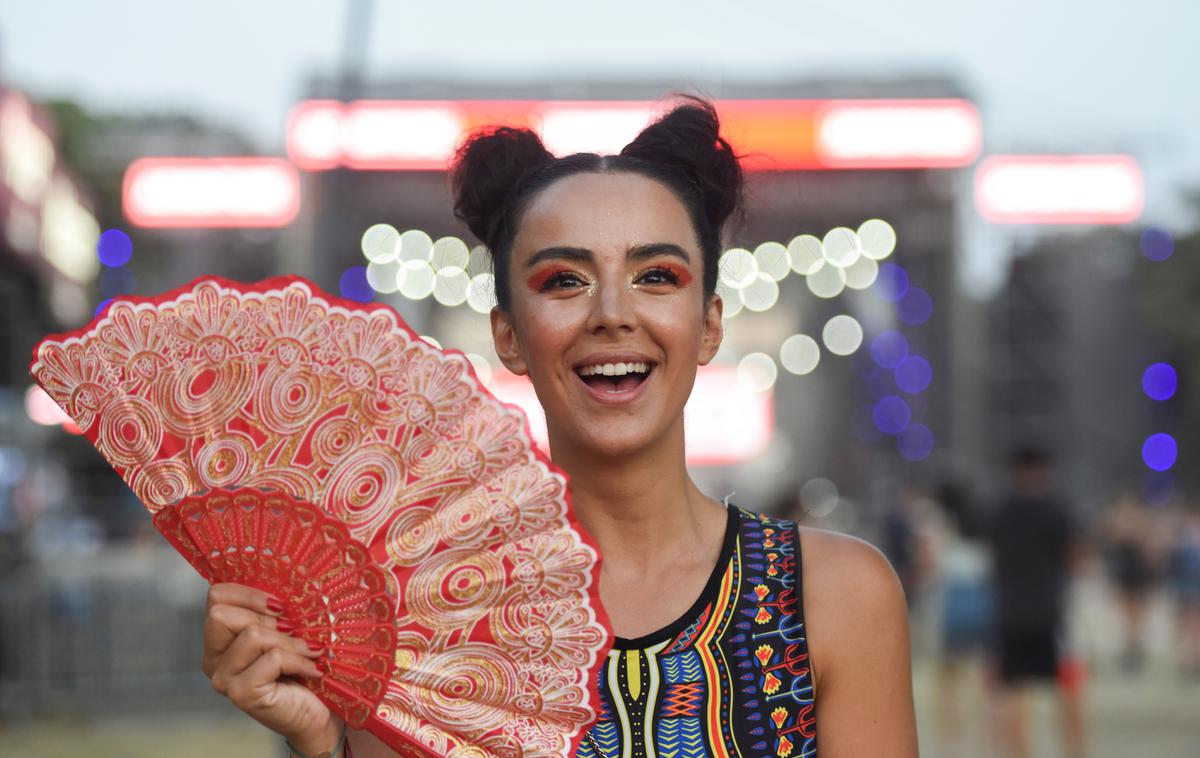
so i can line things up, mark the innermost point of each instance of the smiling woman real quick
(737, 634)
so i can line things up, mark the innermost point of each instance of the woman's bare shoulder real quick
(851, 592)
(856, 622)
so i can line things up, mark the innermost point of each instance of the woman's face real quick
(608, 314)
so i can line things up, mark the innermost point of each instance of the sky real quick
(1047, 75)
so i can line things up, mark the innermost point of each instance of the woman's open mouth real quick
(614, 378)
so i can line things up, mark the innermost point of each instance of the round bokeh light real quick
(1159, 451)
(114, 248)
(1159, 381)
(891, 414)
(1157, 243)
(889, 349)
(892, 282)
(354, 285)
(915, 442)
(913, 375)
(800, 354)
(842, 335)
(757, 372)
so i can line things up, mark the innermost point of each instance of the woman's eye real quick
(562, 280)
(659, 276)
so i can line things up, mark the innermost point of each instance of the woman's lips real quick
(605, 394)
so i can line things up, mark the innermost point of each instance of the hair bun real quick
(485, 171)
(688, 139)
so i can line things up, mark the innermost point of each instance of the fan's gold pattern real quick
(278, 386)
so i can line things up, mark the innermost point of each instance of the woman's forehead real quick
(601, 212)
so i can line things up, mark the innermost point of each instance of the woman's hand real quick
(250, 659)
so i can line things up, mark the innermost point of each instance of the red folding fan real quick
(317, 449)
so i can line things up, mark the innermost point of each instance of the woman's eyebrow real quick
(649, 250)
(582, 254)
(560, 252)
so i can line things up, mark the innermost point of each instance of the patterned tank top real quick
(731, 677)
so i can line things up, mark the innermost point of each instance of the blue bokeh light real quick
(915, 442)
(114, 248)
(1157, 244)
(889, 349)
(915, 307)
(892, 282)
(913, 375)
(354, 285)
(1159, 451)
(1159, 381)
(891, 414)
(103, 304)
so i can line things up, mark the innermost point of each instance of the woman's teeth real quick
(614, 369)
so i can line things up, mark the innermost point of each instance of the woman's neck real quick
(643, 509)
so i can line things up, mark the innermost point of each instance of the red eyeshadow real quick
(538, 280)
(681, 273)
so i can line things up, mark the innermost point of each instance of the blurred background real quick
(971, 230)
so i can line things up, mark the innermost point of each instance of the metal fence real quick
(115, 630)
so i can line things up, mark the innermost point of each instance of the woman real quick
(727, 623)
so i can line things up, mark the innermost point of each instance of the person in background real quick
(961, 579)
(1128, 547)
(1034, 550)
(1185, 581)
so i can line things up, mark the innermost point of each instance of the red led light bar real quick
(420, 135)
(1059, 189)
(211, 192)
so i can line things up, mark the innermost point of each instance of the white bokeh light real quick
(417, 281)
(842, 335)
(450, 252)
(384, 277)
(481, 294)
(841, 246)
(757, 372)
(827, 281)
(380, 243)
(731, 300)
(760, 294)
(480, 261)
(806, 254)
(773, 260)
(877, 237)
(819, 497)
(737, 267)
(862, 273)
(450, 286)
(415, 245)
(800, 354)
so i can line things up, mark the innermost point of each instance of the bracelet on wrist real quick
(334, 753)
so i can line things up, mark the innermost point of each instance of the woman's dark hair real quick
(498, 170)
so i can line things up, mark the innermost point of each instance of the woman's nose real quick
(612, 306)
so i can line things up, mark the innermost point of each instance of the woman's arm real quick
(857, 625)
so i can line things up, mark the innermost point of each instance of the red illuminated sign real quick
(1062, 189)
(403, 135)
(211, 192)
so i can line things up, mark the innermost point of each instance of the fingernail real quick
(283, 625)
(314, 646)
(274, 605)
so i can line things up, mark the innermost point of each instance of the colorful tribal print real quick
(732, 676)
